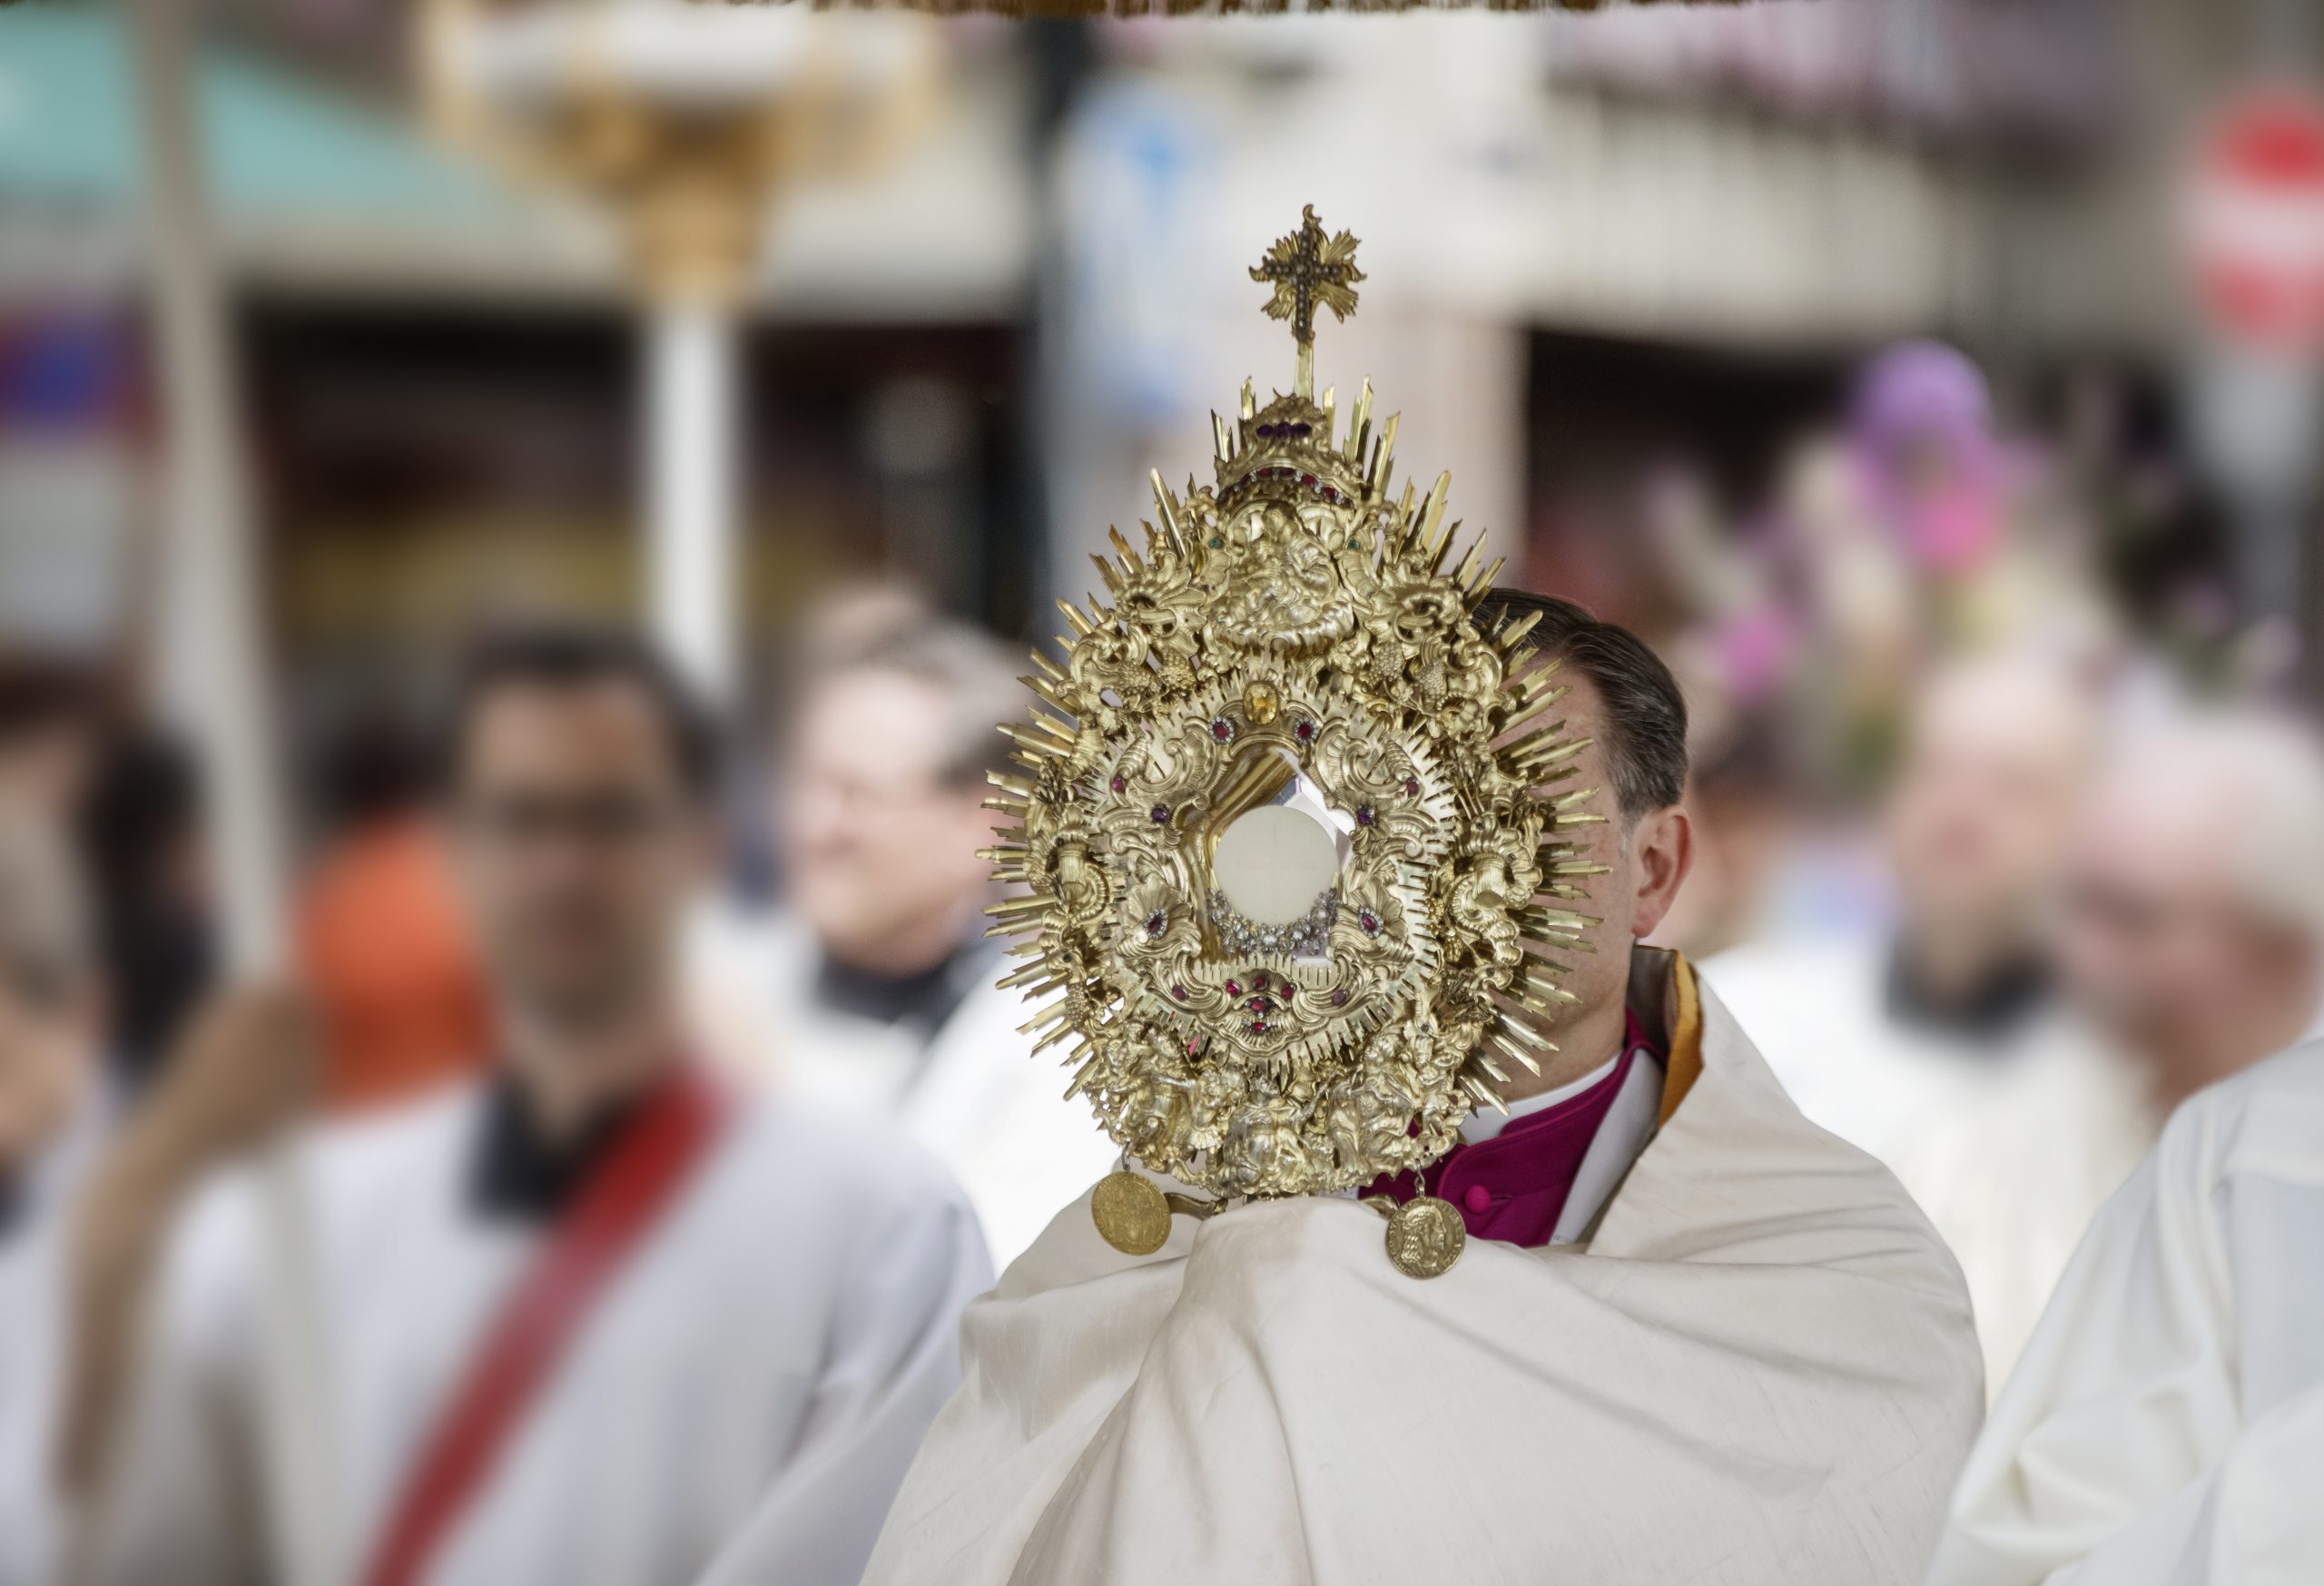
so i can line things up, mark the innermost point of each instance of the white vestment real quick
(34, 1338)
(970, 1090)
(2010, 1148)
(1759, 1369)
(2166, 1427)
(778, 1343)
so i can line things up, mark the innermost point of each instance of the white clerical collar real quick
(1486, 1122)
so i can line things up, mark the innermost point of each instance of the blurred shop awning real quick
(321, 189)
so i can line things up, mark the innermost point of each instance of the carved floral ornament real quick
(1293, 828)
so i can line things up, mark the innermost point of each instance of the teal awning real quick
(277, 143)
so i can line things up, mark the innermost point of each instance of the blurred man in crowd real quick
(1942, 1049)
(2195, 926)
(877, 986)
(379, 931)
(51, 1019)
(2167, 1425)
(583, 1315)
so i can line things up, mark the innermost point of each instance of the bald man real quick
(2194, 926)
(1941, 1046)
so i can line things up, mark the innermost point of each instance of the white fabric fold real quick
(1761, 1369)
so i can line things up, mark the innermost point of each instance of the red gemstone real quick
(1330, 494)
(1233, 989)
(1339, 997)
(1411, 785)
(1161, 814)
(1306, 730)
(1261, 1005)
(1179, 992)
(1260, 1027)
(1222, 729)
(1306, 479)
(1368, 921)
(1117, 784)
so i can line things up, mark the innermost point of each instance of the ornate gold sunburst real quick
(1290, 640)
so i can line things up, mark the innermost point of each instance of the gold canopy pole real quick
(683, 120)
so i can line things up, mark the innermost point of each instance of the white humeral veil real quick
(1761, 1368)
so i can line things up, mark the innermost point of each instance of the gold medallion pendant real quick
(1426, 1236)
(1293, 833)
(1130, 1212)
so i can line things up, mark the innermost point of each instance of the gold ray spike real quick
(1542, 979)
(1492, 1071)
(1517, 1029)
(1063, 1032)
(1011, 784)
(1049, 1014)
(1513, 631)
(1167, 509)
(1032, 974)
(1105, 571)
(1051, 690)
(1543, 737)
(1323, 431)
(1082, 627)
(1026, 738)
(1359, 423)
(1030, 947)
(1250, 401)
(1049, 669)
(1483, 1094)
(1515, 1053)
(1383, 456)
(1082, 1077)
(1468, 565)
(1579, 817)
(1130, 558)
(1017, 908)
(1528, 703)
(1056, 729)
(1485, 580)
(1222, 437)
(1576, 867)
(1433, 512)
(1016, 807)
(1535, 920)
(1433, 554)
(1002, 853)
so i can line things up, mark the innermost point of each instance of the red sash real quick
(638, 1179)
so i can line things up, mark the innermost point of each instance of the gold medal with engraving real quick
(1426, 1236)
(1131, 1213)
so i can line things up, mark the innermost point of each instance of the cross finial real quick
(1309, 269)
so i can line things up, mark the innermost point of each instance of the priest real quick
(581, 1315)
(2166, 1426)
(1393, 1291)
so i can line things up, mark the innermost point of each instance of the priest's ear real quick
(1661, 851)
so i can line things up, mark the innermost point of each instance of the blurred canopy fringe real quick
(1085, 8)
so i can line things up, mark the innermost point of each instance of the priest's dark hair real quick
(1646, 715)
(558, 655)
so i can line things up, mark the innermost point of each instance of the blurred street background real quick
(1933, 383)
